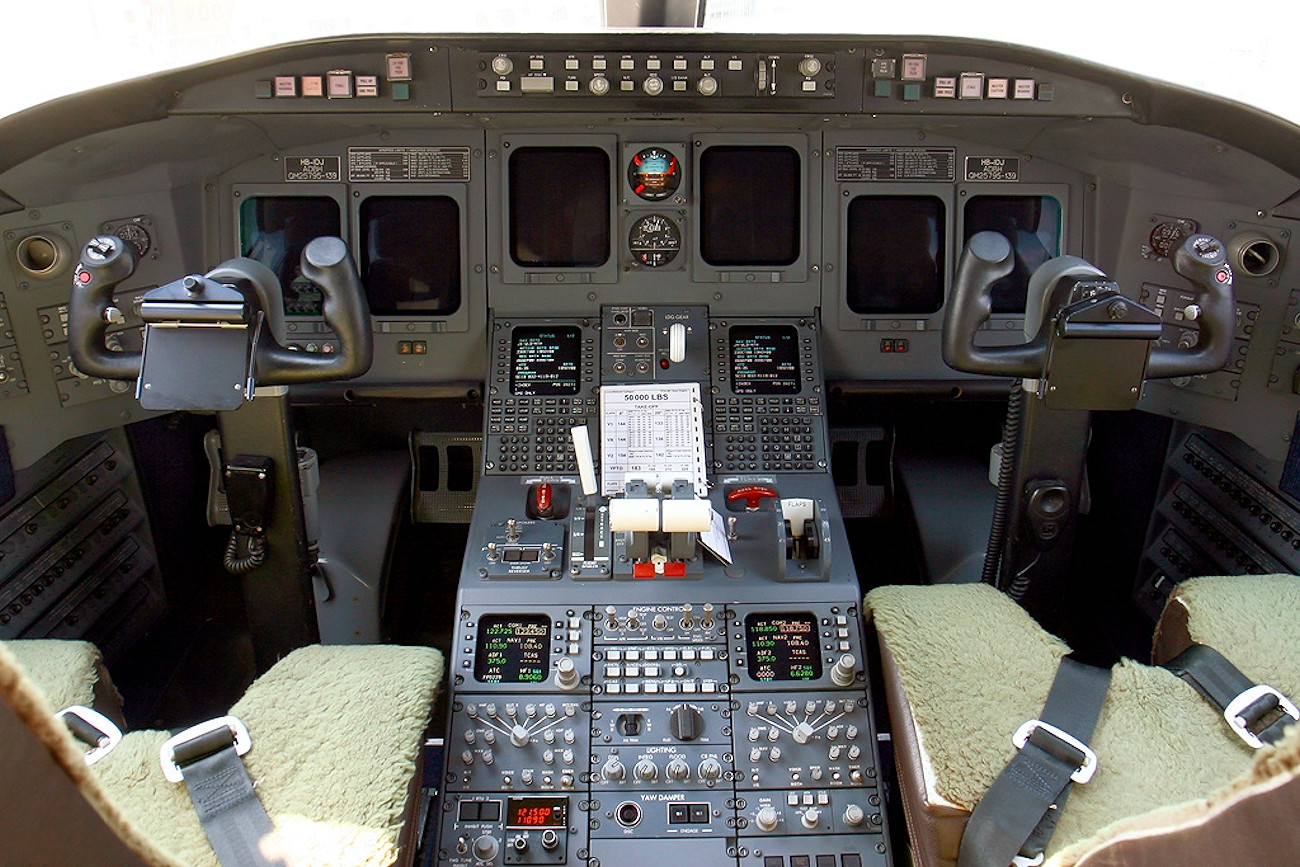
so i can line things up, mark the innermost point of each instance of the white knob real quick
(842, 673)
(766, 819)
(853, 815)
(646, 770)
(526, 776)
(802, 733)
(502, 65)
(710, 769)
(654, 85)
(566, 674)
(519, 736)
(811, 817)
(678, 770)
(774, 754)
(660, 622)
(614, 770)
(599, 86)
(488, 757)
(707, 86)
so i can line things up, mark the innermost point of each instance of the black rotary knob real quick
(685, 722)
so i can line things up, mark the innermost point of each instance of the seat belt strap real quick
(1256, 712)
(207, 757)
(1014, 821)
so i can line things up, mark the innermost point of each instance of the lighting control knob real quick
(599, 86)
(853, 815)
(811, 818)
(654, 85)
(678, 770)
(842, 673)
(685, 722)
(710, 770)
(707, 86)
(646, 771)
(485, 848)
(802, 733)
(765, 819)
(810, 66)
(614, 770)
(566, 674)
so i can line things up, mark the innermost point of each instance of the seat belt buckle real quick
(1234, 712)
(239, 739)
(94, 729)
(1085, 770)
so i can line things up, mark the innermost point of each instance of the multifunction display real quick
(546, 361)
(513, 648)
(537, 812)
(782, 646)
(764, 359)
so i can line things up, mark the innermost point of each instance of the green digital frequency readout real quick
(782, 646)
(513, 648)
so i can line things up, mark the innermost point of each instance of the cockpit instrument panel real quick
(654, 173)
(764, 359)
(546, 361)
(513, 648)
(782, 646)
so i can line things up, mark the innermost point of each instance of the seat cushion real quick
(336, 735)
(68, 673)
(965, 666)
(1254, 620)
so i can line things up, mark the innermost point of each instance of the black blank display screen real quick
(749, 206)
(411, 254)
(1033, 226)
(895, 255)
(764, 359)
(559, 207)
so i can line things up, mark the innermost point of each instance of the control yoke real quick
(192, 321)
(1069, 298)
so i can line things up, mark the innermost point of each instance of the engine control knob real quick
(550, 839)
(708, 615)
(646, 771)
(685, 722)
(687, 608)
(842, 673)
(660, 622)
(854, 816)
(710, 770)
(811, 818)
(485, 848)
(519, 736)
(566, 674)
(802, 733)
(613, 769)
(766, 819)
(678, 770)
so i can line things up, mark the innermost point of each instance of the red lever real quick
(753, 495)
(542, 501)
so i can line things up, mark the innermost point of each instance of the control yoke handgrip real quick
(988, 257)
(105, 262)
(327, 263)
(1203, 261)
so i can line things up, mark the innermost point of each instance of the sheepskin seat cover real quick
(973, 666)
(68, 672)
(336, 733)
